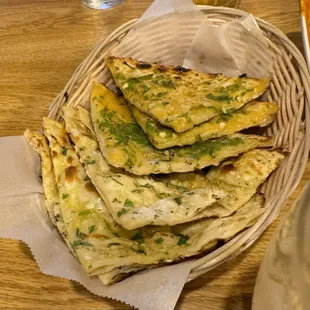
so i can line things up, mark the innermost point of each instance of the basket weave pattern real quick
(290, 89)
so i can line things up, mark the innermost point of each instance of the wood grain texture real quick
(41, 43)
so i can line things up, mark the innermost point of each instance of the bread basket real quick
(290, 89)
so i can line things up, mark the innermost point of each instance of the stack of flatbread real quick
(159, 173)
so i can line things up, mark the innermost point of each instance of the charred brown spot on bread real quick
(181, 69)
(258, 171)
(128, 64)
(110, 58)
(70, 173)
(90, 187)
(70, 160)
(98, 236)
(121, 276)
(64, 138)
(162, 69)
(228, 168)
(39, 143)
(54, 154)
(143, 65)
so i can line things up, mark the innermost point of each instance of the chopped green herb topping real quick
(90, 161)
(140, 251)
(200, 149)
(80, 234)
(162, 195)
(229, 114)
(77, 243)
(187, 117)
(145, 88)
(222, 97)
(128, 203)
(117, 181)
(147, 185)
(119, 76)
(85, 212)
(161, 94)
(99, 98)
(138, 190)
(120, 213)
(138, 238)
(64, 151)
(116, 200)
(178, 200)
(183, 239)
(91, 228)
(165, 83)
(65, 196)
(131, 159)
(230, 88)
(141, 78)
(228, 111)
(86, 178)
(150, 126)
(113, 243)
(82, 148)
(122, 132)
(159, 240)
(145, 77)
(131, 84)
(224, 118)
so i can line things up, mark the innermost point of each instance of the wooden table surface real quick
(41, 43)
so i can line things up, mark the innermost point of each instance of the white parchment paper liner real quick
(23, 217)
(170, 32)
(186, 37)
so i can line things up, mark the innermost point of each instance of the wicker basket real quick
(290, 88)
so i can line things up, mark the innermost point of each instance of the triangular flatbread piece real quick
(125, 145)
(253, 114)
(102, 246)
(181, 98)
(136, 201)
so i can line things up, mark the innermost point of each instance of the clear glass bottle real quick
(283, 281)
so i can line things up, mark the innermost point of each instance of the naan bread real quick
(239, 177)
(107, 215)
(192, 239)
(102, 246)
(125, 145)
(163, 201)
(135, 201)
(253, 114)
(52, 200)
(39, 144)
(181, 98)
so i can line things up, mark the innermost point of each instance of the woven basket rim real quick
(301, 148)
(196, 271)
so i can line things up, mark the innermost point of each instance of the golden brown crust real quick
(179, 70)
(181, 98)
(122, 276)
(90, 187)
(71, 173)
